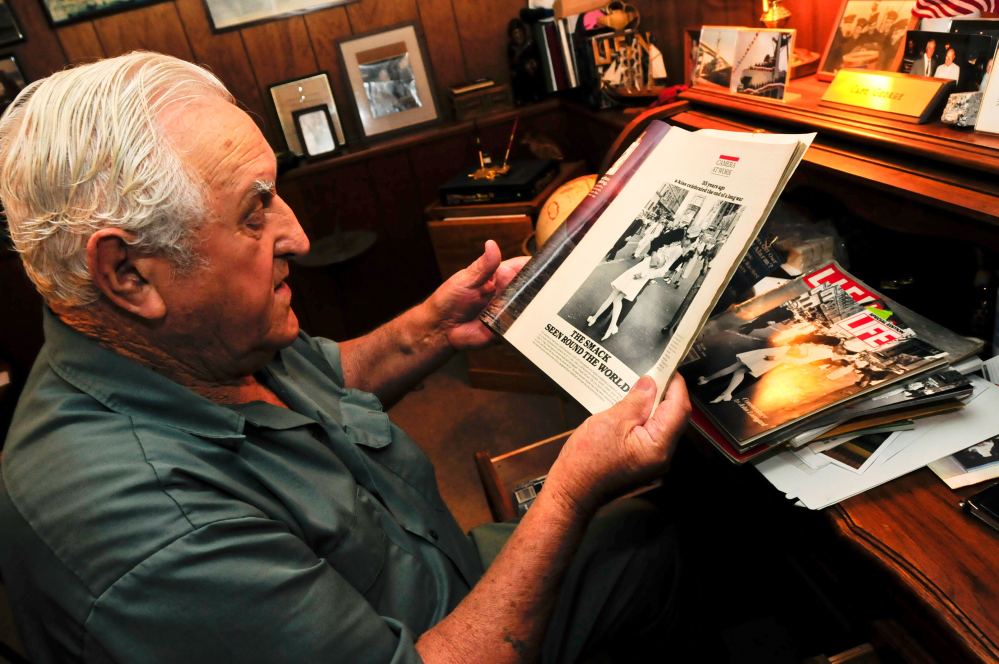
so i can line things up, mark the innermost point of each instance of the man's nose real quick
(293, 241)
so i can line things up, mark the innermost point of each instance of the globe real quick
(558, 206)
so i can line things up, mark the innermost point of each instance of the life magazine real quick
(625, 284)
(814, 344)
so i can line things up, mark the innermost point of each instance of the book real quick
(524, 180)
(623, 286)
(804, 355)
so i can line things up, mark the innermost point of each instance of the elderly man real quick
(189, 477)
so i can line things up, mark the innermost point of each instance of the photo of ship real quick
(761, 66)
(715, 53)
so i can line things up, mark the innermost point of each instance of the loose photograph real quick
(762, 62)
(870, 35)
(977, 456)
(715, 54)
(857, 454)
(634, 298)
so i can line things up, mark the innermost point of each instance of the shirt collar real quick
(125, 386)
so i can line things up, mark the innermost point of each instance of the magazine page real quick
(817, 342)
(507, 306)
(634, 291)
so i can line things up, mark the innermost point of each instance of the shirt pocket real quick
(359, 554)
(364, 421)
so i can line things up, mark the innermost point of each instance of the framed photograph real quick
(962, 58)
(869, 35)
(11, 79)
(10, 32)
(61, 12)
(314, 127)
(300, 94)
(763, 63)
(227, 14)
(389, 77)
(715, 55)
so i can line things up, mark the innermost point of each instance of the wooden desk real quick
(936, 563)
(945, 560)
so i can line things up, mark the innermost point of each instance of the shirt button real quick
(433, 534)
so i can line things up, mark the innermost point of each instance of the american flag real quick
(944, 8)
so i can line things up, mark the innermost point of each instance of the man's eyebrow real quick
(262, 187)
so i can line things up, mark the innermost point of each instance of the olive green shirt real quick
(143, 523)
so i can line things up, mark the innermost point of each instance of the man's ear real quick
(121, 274)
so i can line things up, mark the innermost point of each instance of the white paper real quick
(905, 451)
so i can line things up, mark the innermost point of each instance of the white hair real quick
(83, 150)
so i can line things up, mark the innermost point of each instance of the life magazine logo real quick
(724, 165)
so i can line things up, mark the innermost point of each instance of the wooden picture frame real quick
(299, 94)
(229, 14)
(64, 12)
(10, 31)
(867, 37)
(11, 80)
(388, 73)
(316, 134)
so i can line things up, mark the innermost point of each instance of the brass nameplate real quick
(887, 94)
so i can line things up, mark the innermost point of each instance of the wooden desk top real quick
(942, 560)
(913, 528)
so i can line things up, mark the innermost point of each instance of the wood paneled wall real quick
(464, 40)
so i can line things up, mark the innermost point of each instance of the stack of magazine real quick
(820, 358)
(629, 284)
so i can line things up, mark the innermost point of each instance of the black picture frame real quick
(314, 126)
(223, 15)
(59, 12)
(12, 80)
(10, 31)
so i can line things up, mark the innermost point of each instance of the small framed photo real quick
(303, 94)
(314, 127)
(10, 32)
(389, 77)
(11, 80)
(869, 35)
(228, 14)
(61, 12)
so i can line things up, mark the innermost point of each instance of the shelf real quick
(364, 151)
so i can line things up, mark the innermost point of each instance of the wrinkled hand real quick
(621, 448)
(460, 299)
